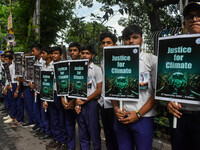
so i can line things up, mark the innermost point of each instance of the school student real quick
(39, 126)
(42, 127)
(55, 109)
(106, 108)
(87, 110)
(134, 124)
(28, 95)
(70, 115)
(187, 134)
(7, 105)
(13, 91)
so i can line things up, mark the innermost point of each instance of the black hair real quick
(56, 48)
(46, 49)
(110, 35)
(191, 6)
(89, 48)
(132, 29)
(10, 53)
(2, 55)
(75, 44)
(9, 56)
(36, 46)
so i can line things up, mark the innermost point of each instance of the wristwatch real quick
(138, 114)
(17, 92)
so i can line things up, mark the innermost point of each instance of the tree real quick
(152, 15)
(55, 15)
(85, 33)
(4, 13)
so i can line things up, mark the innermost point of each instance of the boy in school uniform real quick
(13, 91)
(187, 133)
(106, 108)
(39, 126)
(46, 62)
(55, 109)
(7, 105)
(28, 95)
(87, 110)
(42, 128)
(69, 104)
(134, 124)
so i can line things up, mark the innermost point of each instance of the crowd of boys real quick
(126, 129)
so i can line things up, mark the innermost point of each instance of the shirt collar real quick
(91, 65)
(40, 61)
(50, 64)
(141, 55)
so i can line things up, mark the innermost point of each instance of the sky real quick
(82, 11)
(113, 21)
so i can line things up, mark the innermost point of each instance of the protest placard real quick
(37, 78)
(30, 60)
(46, 92)
(178, 71)
(62, 77)
(7, 71)
(121, 73)
(18, 63)
(78, 79)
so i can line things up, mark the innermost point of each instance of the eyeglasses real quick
(191, 16)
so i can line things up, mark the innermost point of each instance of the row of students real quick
(125, 127)
(133, 126)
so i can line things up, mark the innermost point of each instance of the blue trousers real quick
(37, 112)
(28, 104)
(88, 126)
(187, 134)
(107, 116)
(45, 116)
(7, 105)
(138, 134)
(70, 116)
(57, 120)
(12, 105)
(16, 104)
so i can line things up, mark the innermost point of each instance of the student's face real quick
(45, 55)
(134, 39)
(107, 42)
(74, 53)
(2, 59)
(192, 22)
(35, 52)
(56, 56)
(9, 61)
(86, 54)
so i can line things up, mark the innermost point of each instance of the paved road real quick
(21, 139)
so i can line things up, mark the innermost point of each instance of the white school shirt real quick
(147, 63)
(94, 77)
(40, 62)
(104, 103)
(12, 73)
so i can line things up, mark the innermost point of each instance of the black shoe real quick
(38, 133)
(35, 129)
(53, 144)
(26, 125)
(45, 136)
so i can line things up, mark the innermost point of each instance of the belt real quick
(189, 112)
